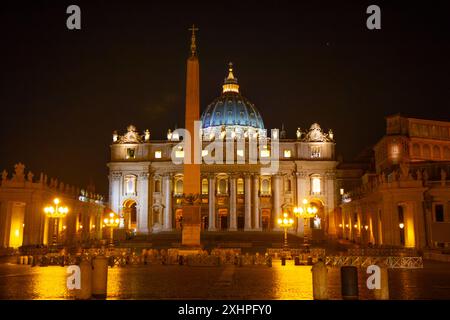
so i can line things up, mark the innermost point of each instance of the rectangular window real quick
(287, 153)
(240, 153)
(130, 153)
(316, 188)
(439, 213)
(158, 154)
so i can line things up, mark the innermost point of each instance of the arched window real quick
(223, 186)
(130, 184)
(240, 186)
(179, 186)
(265, 187)
(204, 186)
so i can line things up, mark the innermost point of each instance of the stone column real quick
(114, 191)
(233, 215)
(298, 203)
(248, 202)
(212, 202)
(255, 205)
(167, 185)
(276, 200)
(330, 219)
(142, 218)
(4, 223)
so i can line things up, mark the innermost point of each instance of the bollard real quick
(33, 261)
(99, 276)
(349, 283)
(297, 261)
(383, 292)
(20, 260)
(180, 260)
(320, 280)
(30, 260)
(25, 259)
(269, 261)
(85, 291)
(283, 261)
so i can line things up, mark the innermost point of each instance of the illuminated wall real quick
(17, 224)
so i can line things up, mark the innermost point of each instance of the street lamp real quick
(112, 222)
(55, 211)
(285, 223)
(305, 211)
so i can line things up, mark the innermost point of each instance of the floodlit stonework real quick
(22, 218)
(405, 201)
(146, 186)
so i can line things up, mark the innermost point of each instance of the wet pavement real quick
(224, 282)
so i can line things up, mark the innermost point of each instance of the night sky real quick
(62, 92)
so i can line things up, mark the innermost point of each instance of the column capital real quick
(301, 174)
(116, 175)
(234, 175)
(144, 175)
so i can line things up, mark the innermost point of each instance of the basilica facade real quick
(146, 184)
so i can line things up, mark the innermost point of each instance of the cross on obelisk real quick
(193, 44)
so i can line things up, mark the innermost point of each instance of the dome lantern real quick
(230, 84)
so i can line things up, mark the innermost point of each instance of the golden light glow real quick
(305, 201)
(56, 211)
(265, 153)
(401, 225)
(366, 227)
(179, 153)
(340, 225)
(112, 221)
(158, 154)
(287, 153)
(355, 225)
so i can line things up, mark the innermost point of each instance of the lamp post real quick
(285, 223)
(55, 211)
(305, 211)
(112, 222)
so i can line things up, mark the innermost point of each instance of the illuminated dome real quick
(231, 110)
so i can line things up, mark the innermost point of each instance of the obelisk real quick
(191, 182)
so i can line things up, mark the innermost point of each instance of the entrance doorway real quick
(130, 214)
(223, 219)
(241, 222)
(265, 215)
